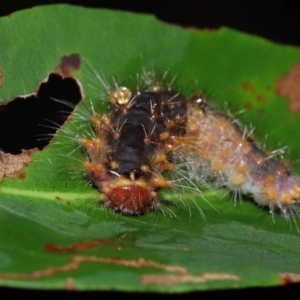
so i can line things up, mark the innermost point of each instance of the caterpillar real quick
(152, 128)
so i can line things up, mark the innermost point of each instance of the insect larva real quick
(231, 158)
(155, 128)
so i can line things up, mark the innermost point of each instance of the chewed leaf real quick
(11, 165)
(64, 237)
(43, 112)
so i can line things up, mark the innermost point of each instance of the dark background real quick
(278, 21)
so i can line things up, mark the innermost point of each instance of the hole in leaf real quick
(30, 122)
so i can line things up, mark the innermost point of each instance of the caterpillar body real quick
(154, 128)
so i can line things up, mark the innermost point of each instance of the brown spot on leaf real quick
(289, 86)
(57, 198)
(187, 278)
(21, 175)
(248, 87)
(77, 247)
(70, 284)
(248, 105)
(69, 63)
(10, 164)
(186, 249)
(261, 98)
(68, 202)
(289, 277)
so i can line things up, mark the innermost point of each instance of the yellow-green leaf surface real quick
(53, 232)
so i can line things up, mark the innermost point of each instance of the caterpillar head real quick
(125, 193)
(130, 200)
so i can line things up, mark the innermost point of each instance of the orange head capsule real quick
(130, 200)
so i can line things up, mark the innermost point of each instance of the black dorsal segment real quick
(146, 115)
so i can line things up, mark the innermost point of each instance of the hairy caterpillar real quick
(152, 128)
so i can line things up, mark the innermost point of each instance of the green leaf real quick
(55, 235)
